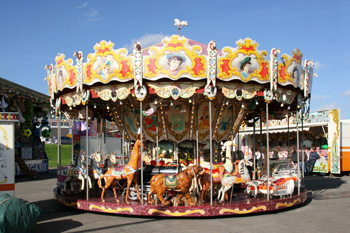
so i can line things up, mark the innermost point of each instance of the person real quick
(294, 157)
(303, 162)
(175, 60)
(312, 159)
(104, 69)
(245, 65)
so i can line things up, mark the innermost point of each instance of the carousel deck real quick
(240, 204)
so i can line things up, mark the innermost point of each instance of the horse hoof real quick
(103, 201)
(167, 203)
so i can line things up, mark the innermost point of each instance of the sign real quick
(39, 165)
(7, 157)
(334, 140)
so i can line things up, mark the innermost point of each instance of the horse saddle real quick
(118, 172)
(170, 181)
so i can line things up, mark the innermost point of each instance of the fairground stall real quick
(28, 110)
(174, 104)
(322, 130)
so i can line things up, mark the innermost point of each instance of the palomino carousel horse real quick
(227, 167)
(129, 172)
(243, 176)
(78, 172)
(181, 183)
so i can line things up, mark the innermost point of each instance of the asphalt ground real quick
(327, 209)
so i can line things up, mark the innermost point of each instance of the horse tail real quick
(199, 183)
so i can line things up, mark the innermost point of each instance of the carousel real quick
(154, 130)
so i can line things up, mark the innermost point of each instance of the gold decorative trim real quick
(176, 213)
(244, 211)
(67, 203)
(288, 204)
(110, 210)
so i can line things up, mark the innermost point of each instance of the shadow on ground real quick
(52, 173)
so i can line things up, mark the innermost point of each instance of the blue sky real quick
(34, 32)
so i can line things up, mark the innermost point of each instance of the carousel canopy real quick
(180, 82)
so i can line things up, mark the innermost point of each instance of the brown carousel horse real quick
(129, 172)
(180, 183)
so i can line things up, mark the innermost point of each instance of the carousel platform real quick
(240, 204)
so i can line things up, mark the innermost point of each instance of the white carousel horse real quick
(96, 168)
(218, 173)
(277, 187)
(281, 183)
(225, 147)
(243, 176)
(78, 172)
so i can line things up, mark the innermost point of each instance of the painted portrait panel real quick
(105, 67)
(245, 65)
(175, 63)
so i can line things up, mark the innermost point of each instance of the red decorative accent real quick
(151, 90)
(297, 57)
(59, 61)
(250, 48)
(125, 68)
(198, 67)
(94, 94)
(150, 121)
(175, 45)
(225, 66)
(103, 50)
(260, 93)
(152, 65)
(264, 71)
(88, 71)
(282, 72)
(72, 77)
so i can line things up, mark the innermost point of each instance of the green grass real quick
(66, 154)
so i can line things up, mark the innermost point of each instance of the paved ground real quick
(326, 210)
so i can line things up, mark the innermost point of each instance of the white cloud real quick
(319, 97)
(92, 16)
(317, 65)
(82, 5)
(146, 40)
(328, 106)
(346, 93)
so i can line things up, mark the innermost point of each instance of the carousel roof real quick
(175, 80)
